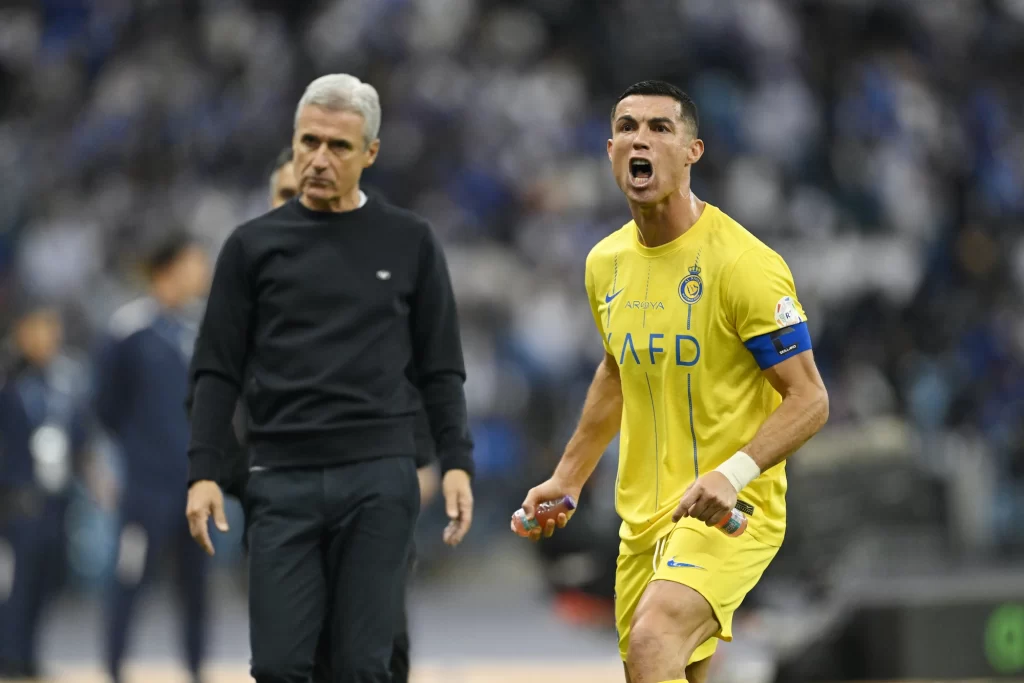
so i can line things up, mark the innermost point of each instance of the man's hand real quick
(205, 500)
(708, 499)
(552, 489)
(458, 503)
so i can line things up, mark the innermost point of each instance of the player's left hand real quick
(708, 499)
(458, 503)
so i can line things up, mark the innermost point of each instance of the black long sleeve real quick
(338, 330)
(438, 359)
(207, 453)
(218, 364)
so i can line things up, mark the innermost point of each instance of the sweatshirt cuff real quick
(203, 464)
(457, 460)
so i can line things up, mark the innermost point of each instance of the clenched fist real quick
(552, 489)
(708, 499)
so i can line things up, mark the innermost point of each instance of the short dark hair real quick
(687, 108)
(284, 157)
(167, 252)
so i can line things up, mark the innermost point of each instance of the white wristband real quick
(740, 470)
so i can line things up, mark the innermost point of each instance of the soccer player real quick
(708, 376)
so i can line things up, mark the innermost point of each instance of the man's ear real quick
(371, 153)
(695, 152)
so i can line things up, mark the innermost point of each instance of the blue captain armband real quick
(776, 346)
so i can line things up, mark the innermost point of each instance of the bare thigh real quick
(670, 623)
(698, 671)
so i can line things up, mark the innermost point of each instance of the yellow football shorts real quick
(720, 568)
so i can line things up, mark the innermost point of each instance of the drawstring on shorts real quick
(659, 548)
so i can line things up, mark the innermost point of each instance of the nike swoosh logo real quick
(608, 297)
(674, 565)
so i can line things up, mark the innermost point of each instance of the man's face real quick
(39, 336)
(330, 153)
(283, 185)
(651, 148)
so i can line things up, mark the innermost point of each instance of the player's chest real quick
(659, 314)
(658, 294)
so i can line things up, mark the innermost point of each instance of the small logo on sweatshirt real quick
(383, 274)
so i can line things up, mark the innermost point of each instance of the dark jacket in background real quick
(141, 381)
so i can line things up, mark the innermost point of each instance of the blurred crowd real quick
(878, 145)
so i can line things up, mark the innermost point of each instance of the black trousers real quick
(400, 661)
(334, 542)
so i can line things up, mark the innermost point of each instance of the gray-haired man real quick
(315, 326)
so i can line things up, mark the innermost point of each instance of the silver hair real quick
(342, 92)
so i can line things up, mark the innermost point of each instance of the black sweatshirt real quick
(320, 315)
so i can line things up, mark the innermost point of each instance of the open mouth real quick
(640, 171)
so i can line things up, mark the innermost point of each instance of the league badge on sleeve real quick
(786, 312)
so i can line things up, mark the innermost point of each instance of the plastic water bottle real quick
(545, 511)
(734, 524)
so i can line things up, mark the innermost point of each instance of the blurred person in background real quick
(141, 381)
(283, 184)
(43, 434)
(744, 405)
(322, 342)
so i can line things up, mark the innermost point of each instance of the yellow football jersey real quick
(692, 324)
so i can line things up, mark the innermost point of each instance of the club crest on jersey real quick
(691, 287)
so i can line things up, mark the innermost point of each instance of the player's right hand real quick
(553, 489)
(205, 500)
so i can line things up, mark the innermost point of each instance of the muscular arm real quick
(762, 304)
(803, 412)
(602, 414)
(599, 423)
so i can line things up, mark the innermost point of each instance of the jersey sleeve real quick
(594, 304)
(767, 315)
